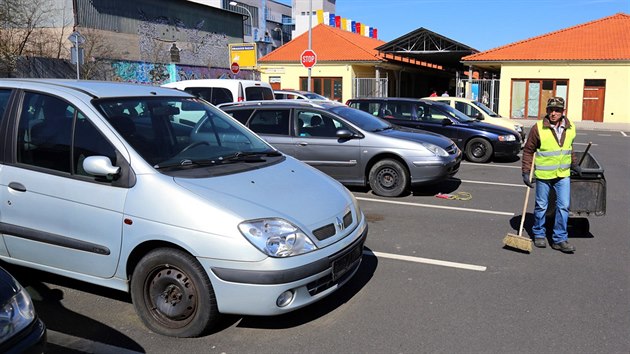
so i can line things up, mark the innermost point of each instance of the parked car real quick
(102, 183)
(217, 91)
(355, 148)
(21, 330)
(479, 141)
(298, 95)
(477, 110)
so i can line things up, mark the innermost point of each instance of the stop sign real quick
(235, 68)
(308, 58)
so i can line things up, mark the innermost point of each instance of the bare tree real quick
(96, 50)
(19, 20)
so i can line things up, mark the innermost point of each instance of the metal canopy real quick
(428, 46)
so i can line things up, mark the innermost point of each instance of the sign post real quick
(308, 58)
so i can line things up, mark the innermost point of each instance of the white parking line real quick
(623, 133)
(427, 261)
(491, 183)
(82, 345)
(436, 206)
(585, 143)
(489, 165)
(604, 134)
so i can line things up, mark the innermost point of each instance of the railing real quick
(370, 87)
(485, 91)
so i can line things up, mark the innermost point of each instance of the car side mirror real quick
(479, 116)
(100, 166)
(345, 134)
(446, 121)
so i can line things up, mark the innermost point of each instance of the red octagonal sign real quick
(308, 58)
(235, 68)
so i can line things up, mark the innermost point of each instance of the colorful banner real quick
(338, 21)
(320, 16)
(331, 20)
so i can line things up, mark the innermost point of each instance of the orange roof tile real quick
(330, 44)
(604, 39)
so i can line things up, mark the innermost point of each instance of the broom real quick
(518, 241)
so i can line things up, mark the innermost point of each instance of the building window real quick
(330, 87)
(529, 96)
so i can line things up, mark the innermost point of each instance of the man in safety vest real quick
(552, 140)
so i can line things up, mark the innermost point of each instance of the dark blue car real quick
(479, 141)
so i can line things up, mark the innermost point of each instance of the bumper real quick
(507, 149)
(31, 340)
(432, 172)
(245, 289)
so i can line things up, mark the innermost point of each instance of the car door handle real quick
(302, 143)
(17, 186)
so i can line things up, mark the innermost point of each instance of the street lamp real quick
(278, 29)
(251, 18)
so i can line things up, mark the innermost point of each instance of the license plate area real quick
(343, 264)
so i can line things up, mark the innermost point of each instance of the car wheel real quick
(388, 178)
(478, 150)
(172, 294)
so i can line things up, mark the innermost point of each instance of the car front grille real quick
(329, 230)
(343, 267)
(452, 149)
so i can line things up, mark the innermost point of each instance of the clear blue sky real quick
(481, 24)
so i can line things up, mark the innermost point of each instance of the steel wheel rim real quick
(387, 178)
(171, 296)
(478, 150)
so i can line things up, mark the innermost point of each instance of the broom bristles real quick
(518, 242)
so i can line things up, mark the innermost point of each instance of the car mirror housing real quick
(446, 121)
(345, 134)
(100, 166)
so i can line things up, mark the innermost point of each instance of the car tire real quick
(479, 150)
(388, 178)
(172, 294)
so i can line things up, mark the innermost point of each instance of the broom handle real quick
(531, 173)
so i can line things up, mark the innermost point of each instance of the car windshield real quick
(452, 112)
(180, 132)
(361, 119)
(484, 108)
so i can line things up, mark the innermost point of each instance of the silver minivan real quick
(106, 183)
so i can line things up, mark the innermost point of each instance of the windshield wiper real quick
(250, 156)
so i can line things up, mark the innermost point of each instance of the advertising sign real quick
(244, 54)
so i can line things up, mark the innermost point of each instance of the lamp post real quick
(278, 29)
(251, 19)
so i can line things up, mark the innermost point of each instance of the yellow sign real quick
(244, 54)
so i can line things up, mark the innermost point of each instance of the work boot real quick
(540, 242)
(563, 246)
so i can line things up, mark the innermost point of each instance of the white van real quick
(217, 91)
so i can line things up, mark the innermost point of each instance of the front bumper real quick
(503, 149)
(245, 289)
(435, 171)
(32, 339)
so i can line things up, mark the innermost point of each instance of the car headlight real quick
(509, 137)
(16, 314)
(276, 237)
(436, 150)
(518, 128)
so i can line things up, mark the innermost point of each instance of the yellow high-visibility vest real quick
(553, 160)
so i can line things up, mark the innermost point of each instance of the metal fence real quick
(370, 87)
(485, 91)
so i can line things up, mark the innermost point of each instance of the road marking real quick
(488, 165)
(491, 183)
(82, 345)
(436, 206)
(585, 143)
(426, 261)
(623, 133)
(604, 134)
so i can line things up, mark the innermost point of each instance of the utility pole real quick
(310, 38)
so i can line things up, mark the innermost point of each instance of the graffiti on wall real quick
(158, 74)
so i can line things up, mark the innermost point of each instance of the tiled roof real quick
(330, 44)
(604, 39)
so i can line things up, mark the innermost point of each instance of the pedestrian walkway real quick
(586, 125)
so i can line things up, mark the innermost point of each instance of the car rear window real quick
(214, 95)
(257, 93)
